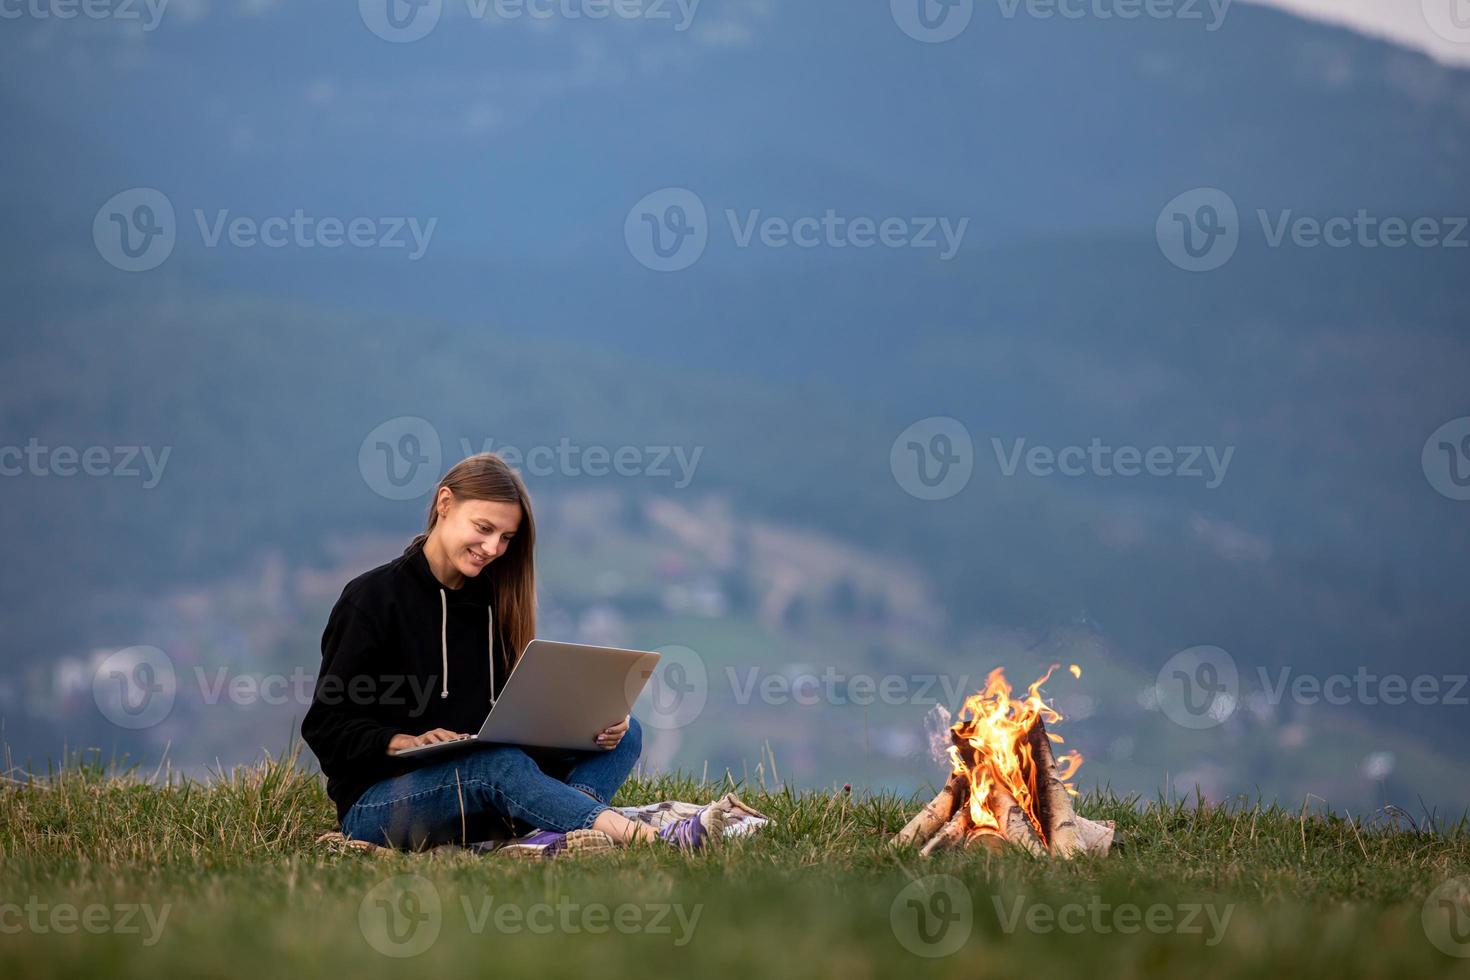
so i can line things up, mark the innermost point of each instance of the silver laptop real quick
(559, 696)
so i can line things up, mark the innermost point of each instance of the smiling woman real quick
(417, 650)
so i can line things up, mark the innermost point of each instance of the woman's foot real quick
(696, 831)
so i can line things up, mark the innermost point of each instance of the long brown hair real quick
(487, 477)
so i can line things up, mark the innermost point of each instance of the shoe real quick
(696, 831)
(550, 843)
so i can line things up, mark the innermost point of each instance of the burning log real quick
(954, 833)
(1058, 819)
(1015, 826)
(935, 814)
(983, 838)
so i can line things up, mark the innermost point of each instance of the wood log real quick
(1053, 802)
(935, 814)
(1015, 826)
(952, 834)
(984, 838)
(1096, 836)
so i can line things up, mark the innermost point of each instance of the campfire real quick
(1006, 785)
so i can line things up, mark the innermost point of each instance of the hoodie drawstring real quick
(444, 645)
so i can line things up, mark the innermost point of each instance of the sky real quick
(1408, 22)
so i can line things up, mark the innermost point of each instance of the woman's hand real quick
(611, 736)
(401, 742)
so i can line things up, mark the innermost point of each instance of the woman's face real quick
(475, 532)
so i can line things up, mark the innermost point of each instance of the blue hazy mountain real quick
(1058, 320)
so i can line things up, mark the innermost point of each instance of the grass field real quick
(130, 874)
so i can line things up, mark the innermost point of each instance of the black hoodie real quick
(401, 654)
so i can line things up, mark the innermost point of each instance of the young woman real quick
(415, 652)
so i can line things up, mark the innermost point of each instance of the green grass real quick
(248, 892)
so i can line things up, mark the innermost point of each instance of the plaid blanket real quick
(740, 821)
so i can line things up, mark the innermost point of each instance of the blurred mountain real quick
(528, 320)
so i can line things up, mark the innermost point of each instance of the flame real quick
(990, 748)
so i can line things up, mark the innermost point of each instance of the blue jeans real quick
(493, 791)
